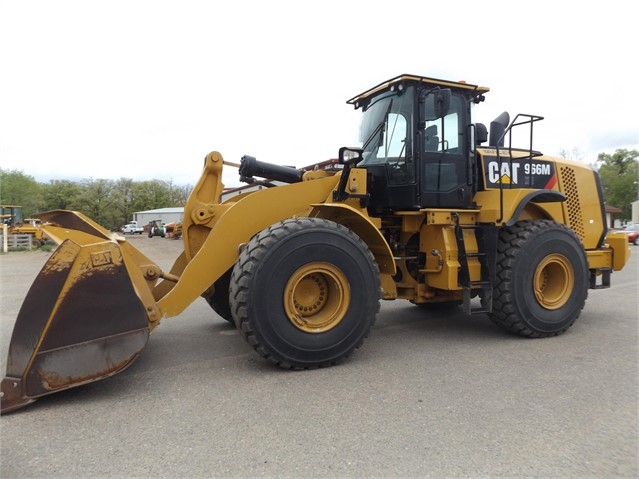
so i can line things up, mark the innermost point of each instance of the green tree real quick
(123, 197)
(180, 194)
(19, 189)
(60, 194)
(96, 201)
(110, 203)
(149, 195)
(619, 174)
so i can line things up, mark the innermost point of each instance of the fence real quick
(13, 241)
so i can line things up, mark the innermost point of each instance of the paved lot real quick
(428, 395)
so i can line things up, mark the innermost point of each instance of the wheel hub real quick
(554, 281)
(317, 297)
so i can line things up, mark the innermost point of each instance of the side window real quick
(443, 134)
(451, 130)
(444, 169)
(395, 137)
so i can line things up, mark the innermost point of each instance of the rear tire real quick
(542, 279)
(305, 293)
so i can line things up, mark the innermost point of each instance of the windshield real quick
(385, 128)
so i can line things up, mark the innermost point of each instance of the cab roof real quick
(394, 83)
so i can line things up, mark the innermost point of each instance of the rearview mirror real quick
(434, 104)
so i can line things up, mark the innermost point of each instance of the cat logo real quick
(505, 175)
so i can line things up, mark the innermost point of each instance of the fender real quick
(539, 196)
(362, 225)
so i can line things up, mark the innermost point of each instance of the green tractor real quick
(157, 228)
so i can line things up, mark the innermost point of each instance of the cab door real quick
(443, 151)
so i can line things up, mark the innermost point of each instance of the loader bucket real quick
(85, 317)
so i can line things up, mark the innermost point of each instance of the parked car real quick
(633, 233)
(132, 228)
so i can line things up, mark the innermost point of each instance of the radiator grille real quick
(572, 204)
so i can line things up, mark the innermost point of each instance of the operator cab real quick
(417, 143)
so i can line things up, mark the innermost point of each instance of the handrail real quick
(530, 119)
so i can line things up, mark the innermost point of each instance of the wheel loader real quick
(431, 207)
(11, 215)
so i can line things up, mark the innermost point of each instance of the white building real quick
(166, 215)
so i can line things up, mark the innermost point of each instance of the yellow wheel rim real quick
(554, 281)
(317, 297)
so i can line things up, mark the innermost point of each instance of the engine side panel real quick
(518, 175)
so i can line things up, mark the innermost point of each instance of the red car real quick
(633, 233)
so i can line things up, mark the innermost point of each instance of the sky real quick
(144, 89)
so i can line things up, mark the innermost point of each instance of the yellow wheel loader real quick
(33, 227)
(11, 215)
(432, 207)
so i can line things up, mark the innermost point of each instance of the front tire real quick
(542, 279)
(305, 293)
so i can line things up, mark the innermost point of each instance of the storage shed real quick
(166, 215)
